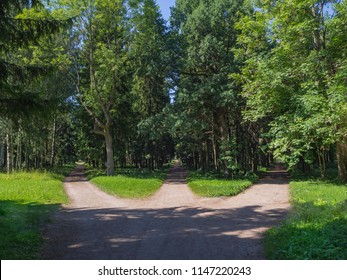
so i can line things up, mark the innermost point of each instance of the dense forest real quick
(223, 85)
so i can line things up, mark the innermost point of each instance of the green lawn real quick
(317, 225)
(212, 185)
(129, 183)
(27, 201)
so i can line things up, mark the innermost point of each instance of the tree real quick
(337, 82)
(149, 59)
(120, 66)
(27, 79)
(151, 68)
(208, 100)
(287, 49)
(22, 23)
(101, 74)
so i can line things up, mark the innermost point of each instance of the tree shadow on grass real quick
(160, 234)
(21, 228)
(316, 232)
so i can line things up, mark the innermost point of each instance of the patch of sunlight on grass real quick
(127, 187)
(213, 188)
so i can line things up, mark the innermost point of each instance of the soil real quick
(174, 224)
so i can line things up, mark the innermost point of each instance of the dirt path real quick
(173, 224)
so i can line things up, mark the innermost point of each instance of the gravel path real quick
(173, 224)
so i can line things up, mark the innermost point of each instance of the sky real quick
(165, 7)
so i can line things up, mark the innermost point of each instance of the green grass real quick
(317, 225)
(60, 172)
(129, 182)
(27, 201)
(212, 185)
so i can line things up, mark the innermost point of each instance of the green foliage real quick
(208, 102)
(290, 75)
(27, 201)
(149, 52)
(316, 227)
(33, 86)
(150, 87)
(59, 172)
(120, 65)
(24, 25)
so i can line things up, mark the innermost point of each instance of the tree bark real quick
(9, 149)
(341, 153)
(207, 163)
(19, 150)
(214, 148)
(52, 159)
(321, 160)
(26, 155)
(2, 154)
(224, 141)
(109, 152)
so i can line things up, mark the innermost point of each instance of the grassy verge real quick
(27, 201)
(212, 185)
(317, 225)
(129, 182)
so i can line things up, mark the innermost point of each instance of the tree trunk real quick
(316, 32)
(224, 133)
(341, 153)
(109, 152)
(18, 164)
(52, 159)
(214, 148)
(194, 161)
(254, 158)
(2, 154)
(321, 161)
(26, 155)
(207, 163)
(9, 152)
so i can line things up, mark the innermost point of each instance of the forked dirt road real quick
(174, 224)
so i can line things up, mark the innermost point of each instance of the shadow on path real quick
(276, 175)
(172, 233)
(76, 175)
(176, 176)
(173, 224)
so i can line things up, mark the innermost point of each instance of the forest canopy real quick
(228, 86)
